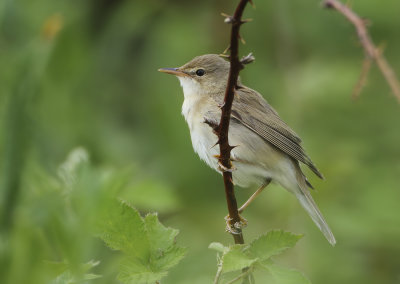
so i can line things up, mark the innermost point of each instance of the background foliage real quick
(83, 73)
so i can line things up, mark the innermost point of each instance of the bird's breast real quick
(203, 139)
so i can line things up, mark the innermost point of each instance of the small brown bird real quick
(268, 150)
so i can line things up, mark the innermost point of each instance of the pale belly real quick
(254, 160)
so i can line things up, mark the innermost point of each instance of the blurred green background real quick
(84, 74)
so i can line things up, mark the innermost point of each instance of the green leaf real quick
(124, 229)
(68, 275)
(218, 247)
(149, 248)
(132, 271)
(273, 243)
(236, 258)
(162, 243)
(257, 255)
(283, 275)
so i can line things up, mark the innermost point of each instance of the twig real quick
(240, 276)
(219, 273)
(362, 81)
(223, 127)
(371, 52)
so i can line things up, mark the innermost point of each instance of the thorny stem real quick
(372, 53)
(223, 127)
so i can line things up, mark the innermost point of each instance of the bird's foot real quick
(236, 227)
(222, 168)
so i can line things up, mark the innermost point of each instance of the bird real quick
(267, 149)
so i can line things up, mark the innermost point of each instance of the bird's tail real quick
(306, 200)
(312, 209)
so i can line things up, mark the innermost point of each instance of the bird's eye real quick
(200, 72)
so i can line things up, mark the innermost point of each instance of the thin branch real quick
(240, 276)
(371, 52)
(223, 127)
(362, 81)
(219, 273)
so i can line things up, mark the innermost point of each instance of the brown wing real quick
(250, 109)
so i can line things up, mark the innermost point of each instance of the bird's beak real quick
(173, 71)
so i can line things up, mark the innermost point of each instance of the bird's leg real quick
(233, 228)
(255, 194)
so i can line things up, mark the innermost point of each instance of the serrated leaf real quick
(131, 271)
(283, 275)
(123, 229)
(149, 248)
(66, 276)
(218, 247)
(236, 258)
(273, 243)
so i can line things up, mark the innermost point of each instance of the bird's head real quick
(203, 74)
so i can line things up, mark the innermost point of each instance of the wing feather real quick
(251, 109)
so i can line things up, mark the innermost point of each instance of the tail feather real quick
(303, 195)
(312, 209)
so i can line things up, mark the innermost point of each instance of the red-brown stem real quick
(223, 128)
(370, 50)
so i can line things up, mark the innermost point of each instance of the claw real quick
(222, 168)
(247, 59)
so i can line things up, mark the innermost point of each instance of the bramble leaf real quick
(236, 258)
(258, 255)
(149, 248)
(218, 247)
(66, 275)
(273, 243)
(283, 275)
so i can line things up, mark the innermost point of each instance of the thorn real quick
(362, 81)
(224, 54)
(246, 21)
(247, 59)
(216, 143)
(221, 105)
(242, 39)
(252, 4)
(232, 147)
(216, 156)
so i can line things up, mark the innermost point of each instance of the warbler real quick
(267, 149)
